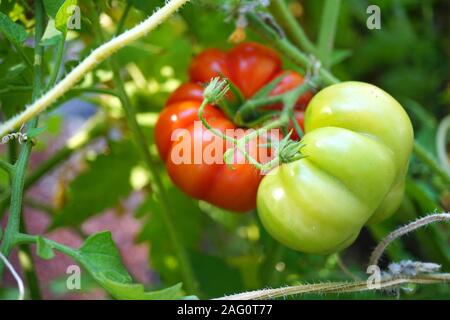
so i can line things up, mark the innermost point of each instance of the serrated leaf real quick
(100, 187)
(51, 35)
(44, 249)
(100, 256)
(13, 31)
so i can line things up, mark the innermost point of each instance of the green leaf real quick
(100, 187)
(13, 31)
(63, 15)
(51, 35)
(32, 133)
(137, 291)
(100, 256)
(44, 249)
(52, 7)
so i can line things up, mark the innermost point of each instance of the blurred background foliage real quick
(408, 57)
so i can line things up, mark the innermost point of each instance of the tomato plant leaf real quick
(13, 31)
(100, 256)
(44, 249)
(52, 7)
(100, 186)
(32, 133)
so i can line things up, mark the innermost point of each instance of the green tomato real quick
(358, 141)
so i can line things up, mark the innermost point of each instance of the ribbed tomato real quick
(250, 66)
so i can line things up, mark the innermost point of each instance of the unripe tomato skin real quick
(358, 140)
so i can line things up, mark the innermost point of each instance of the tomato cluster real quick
(358, 140)
(249, 66)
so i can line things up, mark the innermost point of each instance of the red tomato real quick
(209, 64)
(250, 66)
(291, 80)
(232, 189)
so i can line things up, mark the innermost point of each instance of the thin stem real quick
(57, 64)
(22, 238)
(92, 130)
(18, 181)
(29, 268)
(288, 49)
(97, 56)
(186, 269)
(339, 287)
(330, 14)
(9, 168)
(123, 18)
(208, 126)
(26, 259)
(378, 251)
(294, 31)
(428, 159)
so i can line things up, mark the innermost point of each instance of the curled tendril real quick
(19, 136)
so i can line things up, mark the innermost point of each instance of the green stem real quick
(18, 181)
(327, 31)
(9, 168)
(428, 159)
(288, 48)
(78, 141)
(186, 269)
(294, 31)
(21, 238)
(25, 257)
(57, 64)
(29, 268)
(123, 18)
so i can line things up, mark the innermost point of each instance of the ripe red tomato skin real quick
(209, 64)
(187, 91)
(290, 80)
(232, 189)
(252, 66)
